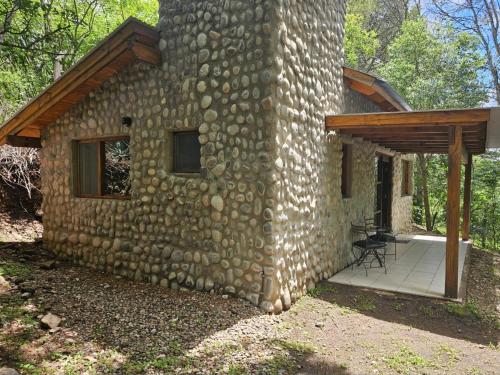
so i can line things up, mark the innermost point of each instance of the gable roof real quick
(131, 41)
(377, 90)
(134, 41)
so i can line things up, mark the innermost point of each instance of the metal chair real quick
(366, 250)
(381, 234)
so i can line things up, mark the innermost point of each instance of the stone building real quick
(195, 155)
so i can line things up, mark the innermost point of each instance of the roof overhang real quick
(376, 90)
(422, 131)
(131, 41)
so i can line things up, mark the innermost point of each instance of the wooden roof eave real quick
(416, 131)
(376, 90)
(132, 41)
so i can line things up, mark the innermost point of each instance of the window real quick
(406, 178)
(103, 168)
(346, 187)
(186, 152)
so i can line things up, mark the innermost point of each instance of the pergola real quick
(458, 133)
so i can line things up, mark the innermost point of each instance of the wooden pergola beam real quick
(453, 211)
(408, 119)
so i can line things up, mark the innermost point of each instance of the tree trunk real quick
(425, 190)
(58, 68)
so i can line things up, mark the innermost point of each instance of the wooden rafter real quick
(412, 132)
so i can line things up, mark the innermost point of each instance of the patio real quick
(419, 268)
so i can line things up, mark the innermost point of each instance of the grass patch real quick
(14, 270)
(164, 363)
(237, 370)
(31, 369)
(297, 346)
(466, 310)
(428, 311)
(16, 312)
(344, 310)
(317, 291)
(364, 303)
(398, 306)
(406, 361)
(279, 364)
(474, 371)
(450, 354)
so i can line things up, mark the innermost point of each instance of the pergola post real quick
(453, 210)
(467, 198)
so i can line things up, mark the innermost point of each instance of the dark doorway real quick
(383, 194)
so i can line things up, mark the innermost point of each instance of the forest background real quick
(436, 53)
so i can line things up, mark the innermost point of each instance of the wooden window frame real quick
(100, 167)
(346, 172)
(406, 189)
(175, 150)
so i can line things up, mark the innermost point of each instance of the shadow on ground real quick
(473, 320)
(125, 325)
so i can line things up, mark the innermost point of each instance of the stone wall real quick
(211, 230)
(265, 219)
(312, 221)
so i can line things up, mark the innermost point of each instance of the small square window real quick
(186, 152)
(346, 187)
(103, 168)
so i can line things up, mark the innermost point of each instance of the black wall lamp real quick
(127, 121)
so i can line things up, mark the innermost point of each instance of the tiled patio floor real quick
(419, 268)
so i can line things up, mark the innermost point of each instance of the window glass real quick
(87, 168)
(116, 168)
(186, 152)
(103, 168)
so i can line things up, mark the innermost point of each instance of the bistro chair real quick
(365, 249)
(382, 234)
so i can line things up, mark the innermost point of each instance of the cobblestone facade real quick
(264, 219)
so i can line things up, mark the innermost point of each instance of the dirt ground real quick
(114, 326)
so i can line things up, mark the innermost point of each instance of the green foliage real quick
(14, 269)
(485, 207)
(317, 291)
(364, 303)
(436, 68)
(39, 38)
(468, 309)
(359, 44)
(406, 361)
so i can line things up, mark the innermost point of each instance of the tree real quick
(360, 45)
(485, 209)
(371, 26)
(39, 40)
(434, 69)
(480, 18)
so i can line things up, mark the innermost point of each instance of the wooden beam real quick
(467, 198)
(453, 211)
(16, 141)
(407, 119)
